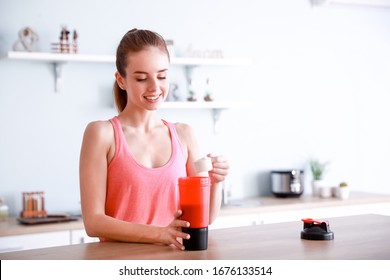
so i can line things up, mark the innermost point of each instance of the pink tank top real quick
(139, 194)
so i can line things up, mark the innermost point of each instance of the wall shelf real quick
(215, 106)
(201, 105)
(61, 57)
(58, 59)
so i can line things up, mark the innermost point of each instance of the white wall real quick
(317, 85)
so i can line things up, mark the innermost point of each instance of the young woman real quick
(130, 164)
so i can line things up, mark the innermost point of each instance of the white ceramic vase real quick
(315, 187)
(343, 192)
(325, 191)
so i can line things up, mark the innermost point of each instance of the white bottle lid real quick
(203, 165)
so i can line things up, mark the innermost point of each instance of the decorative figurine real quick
(64, 46)
(64, 40)
(75, 45)
(191, 92)
(209, 96)
(27, 40)
(64, 37)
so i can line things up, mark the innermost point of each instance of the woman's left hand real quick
(220, 169)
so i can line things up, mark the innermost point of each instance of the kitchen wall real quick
(316, 88)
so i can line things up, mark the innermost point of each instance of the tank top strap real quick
(118, 135)
(174, 138)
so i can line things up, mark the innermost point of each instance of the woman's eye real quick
(144, 79)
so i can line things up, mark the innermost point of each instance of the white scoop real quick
(203, 165)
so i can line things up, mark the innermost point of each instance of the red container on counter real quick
(195, 205)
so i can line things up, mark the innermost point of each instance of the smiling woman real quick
(130, 164)
(132, 44)
(143, 81)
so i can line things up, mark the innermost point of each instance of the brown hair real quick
(133, 41)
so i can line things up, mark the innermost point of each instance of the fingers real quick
(216, 178)
(219, 162)
(220, 168)
(177, 214)
(176, 235)
(178, 245)
(183, 235)
(173, 231)
(179, 223)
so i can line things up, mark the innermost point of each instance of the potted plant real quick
(318, 170)
(343, 191)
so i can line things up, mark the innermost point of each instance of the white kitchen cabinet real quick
(325, 212)
(34, 241)
(235, 221)
(284, 216)
(325, 209)
(43, 240)
(330, 212)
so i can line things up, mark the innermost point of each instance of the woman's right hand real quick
(171, 233)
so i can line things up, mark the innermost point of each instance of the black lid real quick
(316, 230)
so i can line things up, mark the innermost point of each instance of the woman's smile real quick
(153, 98)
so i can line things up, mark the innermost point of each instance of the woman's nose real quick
(153, 84)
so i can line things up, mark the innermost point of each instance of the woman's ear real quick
(120, 81)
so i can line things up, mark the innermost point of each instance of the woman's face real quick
(146, 80)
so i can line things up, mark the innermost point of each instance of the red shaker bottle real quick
(195, 204)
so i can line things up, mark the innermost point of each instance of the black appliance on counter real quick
(287, 183)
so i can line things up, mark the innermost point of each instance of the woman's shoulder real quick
(185, 132)
(99, 130)
(183, 128)
(99, 125)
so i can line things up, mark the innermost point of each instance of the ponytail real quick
(120, 97)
